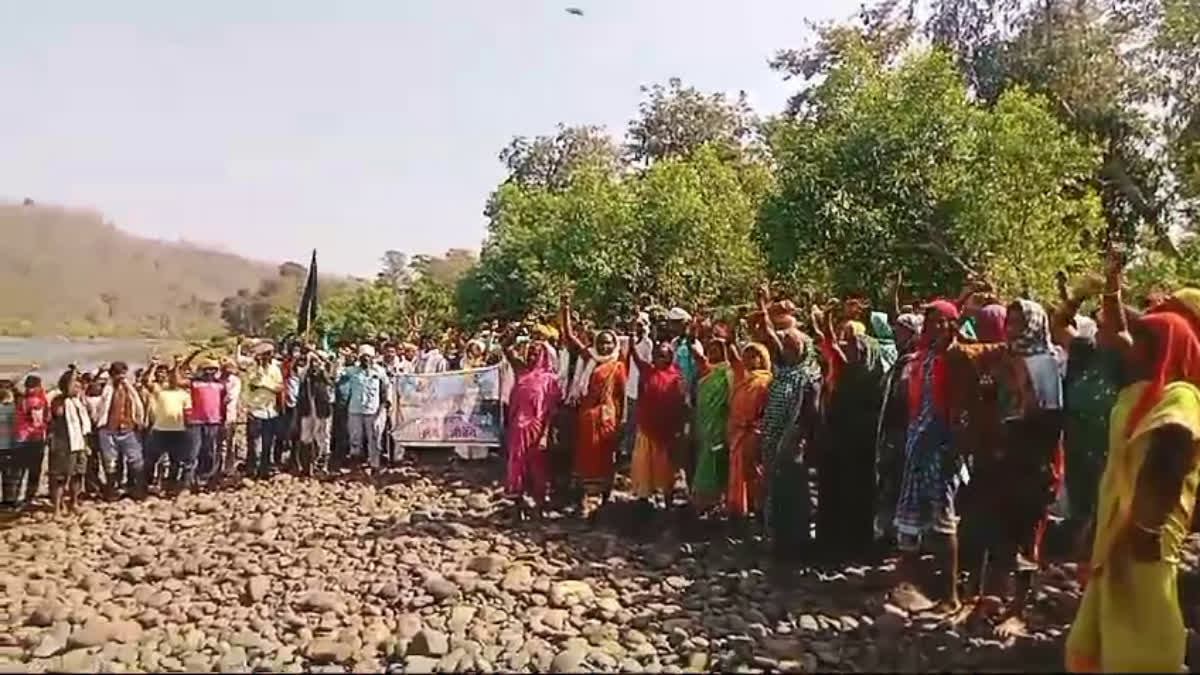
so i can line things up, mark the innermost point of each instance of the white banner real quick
(457, 408)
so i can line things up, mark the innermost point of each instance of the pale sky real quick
(270, 127)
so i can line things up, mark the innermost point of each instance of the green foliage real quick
(896, 168)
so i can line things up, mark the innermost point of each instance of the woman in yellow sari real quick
(747, 400)
(1129, 619)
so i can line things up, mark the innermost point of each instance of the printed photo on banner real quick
(461, 407)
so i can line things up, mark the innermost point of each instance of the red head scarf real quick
(1176, 357)
(941, 399)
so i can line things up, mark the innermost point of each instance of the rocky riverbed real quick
(425, 574)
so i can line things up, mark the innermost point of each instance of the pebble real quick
(422, 575)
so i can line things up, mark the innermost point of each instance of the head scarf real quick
(914, 323)
(764, 356)
(1184, 302)
(989, 323)
(940, 394)
(1176, 357)
(475, 360)
(881, 330)
(857, 327)
(1085, 327)
(583, 376)
(1035, 337)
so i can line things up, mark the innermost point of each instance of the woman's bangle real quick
(1113, 294)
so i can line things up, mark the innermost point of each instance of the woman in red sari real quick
(599, 394)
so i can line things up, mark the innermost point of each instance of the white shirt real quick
(233, 396)
(431, 362)
(645, 349)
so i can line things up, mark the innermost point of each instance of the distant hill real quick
(68, 272)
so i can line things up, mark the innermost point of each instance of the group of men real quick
(299, 407)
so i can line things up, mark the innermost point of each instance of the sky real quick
(271, 127)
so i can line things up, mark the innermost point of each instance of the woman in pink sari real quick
(531, 405)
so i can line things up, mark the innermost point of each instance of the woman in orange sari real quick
(748, 399)
(598, 393)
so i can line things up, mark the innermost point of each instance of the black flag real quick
(307, 315)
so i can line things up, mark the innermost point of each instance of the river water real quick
(53, 354)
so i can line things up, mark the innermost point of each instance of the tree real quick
(550, 161)
(394, 270)
(110, 302)
(895, 167)
(1102, 67)
(674, 121)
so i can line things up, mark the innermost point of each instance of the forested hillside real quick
(68, 271)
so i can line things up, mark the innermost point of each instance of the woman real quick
(846, 476)
(1129, 618)
(1184, 302)
(748, 399)
(531, 404)
(69, 428)
(599, 397)
(712, 412)
(661, 414)
(932, 466)
(1017, 482)
(885, 337)
(1090, 389)
(893, 426)
(789, 420)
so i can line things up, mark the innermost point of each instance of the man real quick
(367, 390)
(121, 414)
(206, 420)
(394, 365)
(644, 346)
(233, 395)
(684, 343)
(265, 382)
(431, 360)
(314, 408)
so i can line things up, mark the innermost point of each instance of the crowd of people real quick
(191, 424)
(950, 427)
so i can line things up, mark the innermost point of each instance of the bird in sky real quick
(575, 10)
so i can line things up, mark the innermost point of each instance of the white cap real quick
(366, 350)
(678, 314)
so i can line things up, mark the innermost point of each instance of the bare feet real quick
(1012, 627)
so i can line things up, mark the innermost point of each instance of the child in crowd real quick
(70, 425)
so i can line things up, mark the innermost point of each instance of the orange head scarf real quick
(1176, 357)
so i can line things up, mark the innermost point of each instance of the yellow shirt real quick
(262, 387)
(169, 408)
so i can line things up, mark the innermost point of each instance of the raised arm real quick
(895, 308)
(508, 346)
(642, 364)
(1113, 313)
(769, 336)
(571, 340)
(1062, 324)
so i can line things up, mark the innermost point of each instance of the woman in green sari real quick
(712, 410)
